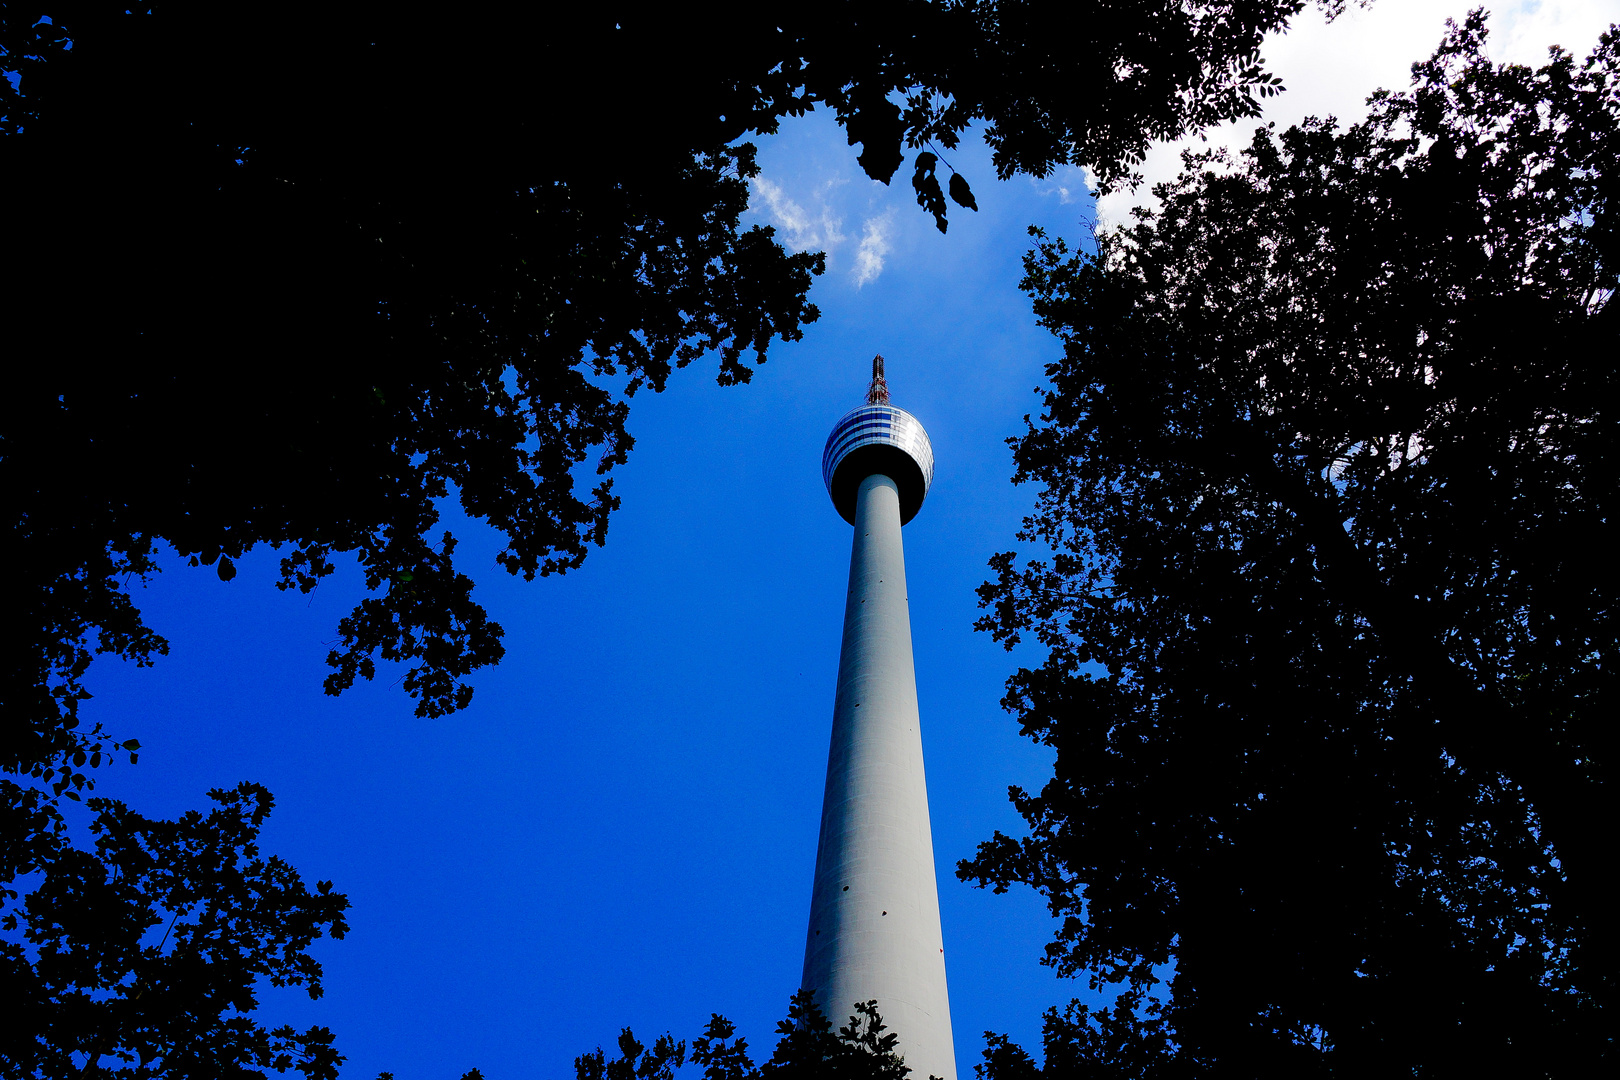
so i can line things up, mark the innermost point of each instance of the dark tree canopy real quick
(289, 276)
(1127, 1041)
(321, 271)
(809, 1048)
(295, 275)
(85, 972)
(1327, 481)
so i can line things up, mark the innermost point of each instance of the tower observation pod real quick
(874, 911)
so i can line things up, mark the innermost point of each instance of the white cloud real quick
(814, 221)
(801, 229)
(1067, 183)
(874, 246)
(1330, 68)
(788, 216)
(1521, 33)
(830, 222)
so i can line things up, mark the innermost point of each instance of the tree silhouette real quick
(294, 276)
(1327, 477)
(326, 268)
(808, 1048)
(142, 955)
(1127, 1041)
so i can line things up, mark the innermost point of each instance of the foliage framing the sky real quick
(353, 262)
(92, 977)
(1327, 474)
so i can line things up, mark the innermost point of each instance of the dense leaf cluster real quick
(1127, 1041)
(1328, 477)
(322, 271)
(295, 276)
(141, 958)
(809, 1048)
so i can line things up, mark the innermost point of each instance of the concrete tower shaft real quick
(874, 911)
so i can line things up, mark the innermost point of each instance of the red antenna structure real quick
(879, 393)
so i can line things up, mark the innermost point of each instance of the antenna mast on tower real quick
(879, 393)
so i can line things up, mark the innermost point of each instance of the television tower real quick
(874, 912)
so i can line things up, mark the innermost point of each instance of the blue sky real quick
(621, 829)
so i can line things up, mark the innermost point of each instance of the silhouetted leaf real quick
(926, 183)
(874, 121)
(961, 193)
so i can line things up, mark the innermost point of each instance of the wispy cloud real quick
(801, 229)
(1067, 183)
(810, 218)
(874, 246)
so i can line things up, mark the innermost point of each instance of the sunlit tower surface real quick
(874, 912)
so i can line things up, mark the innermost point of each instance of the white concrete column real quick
(874, 912)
